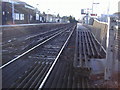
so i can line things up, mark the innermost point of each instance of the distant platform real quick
(28, 24)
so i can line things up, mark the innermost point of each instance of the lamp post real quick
(92, 6)
(47, 14)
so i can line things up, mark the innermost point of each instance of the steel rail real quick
(91, 46)
(98, 53)
(76, 54)
(38, 77)
(25, 75)
(86, 40)
(54, 63)
(34, 75)
(44, 33)
(84, 49)
(80, 52)
(99, 43)
(11, 61)
(58, 28)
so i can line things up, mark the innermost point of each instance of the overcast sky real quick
(73, 7)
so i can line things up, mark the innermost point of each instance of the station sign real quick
(93, 14)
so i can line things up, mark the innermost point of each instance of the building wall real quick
(6, 13)
(21, 14)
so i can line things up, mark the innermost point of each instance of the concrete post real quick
(110, 49)
(13, 13)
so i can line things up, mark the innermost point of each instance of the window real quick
(40, 18)
(3, 13)
(16, 16)
(31, 17)
(21, 16)
(37, 16)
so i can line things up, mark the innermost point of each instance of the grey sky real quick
(73, 7)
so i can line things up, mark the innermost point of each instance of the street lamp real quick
(92, 6)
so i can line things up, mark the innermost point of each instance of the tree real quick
(58, 15)
(43, 13)
(72, 19)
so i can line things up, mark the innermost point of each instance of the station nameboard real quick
(93, 14)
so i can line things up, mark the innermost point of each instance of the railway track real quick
(51, 66)
(61, 75)
(14, 49)
(39, 61)
(64, 75)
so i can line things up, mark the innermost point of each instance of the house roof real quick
(15, 1)
(19, 2)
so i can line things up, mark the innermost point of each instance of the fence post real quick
(110, 48)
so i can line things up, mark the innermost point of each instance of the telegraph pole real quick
(110, 49)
